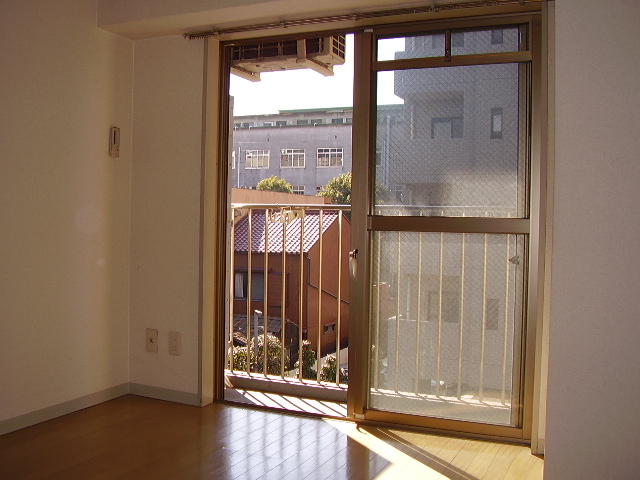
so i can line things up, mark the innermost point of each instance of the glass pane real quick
(446, 312)
(444, 152)
(463, 42)
(417, 46)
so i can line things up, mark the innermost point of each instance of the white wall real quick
(593, 422)
(165, 209)
(64, 205)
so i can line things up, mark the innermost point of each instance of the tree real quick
(308, 360)
(256, 362)
(338, 190)
(275, 184)
(328, 372)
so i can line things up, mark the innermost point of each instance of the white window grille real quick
(257, 159)
(330, 157)
(292, 158)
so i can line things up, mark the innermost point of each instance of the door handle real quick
(353, 263)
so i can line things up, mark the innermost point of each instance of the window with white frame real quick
(257, 159)
(292, 158)
(299, 189)
(330, 157)
(319, 188)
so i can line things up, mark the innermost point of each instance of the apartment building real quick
(305, 147)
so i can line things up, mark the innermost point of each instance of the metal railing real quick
(288, 320)
(446, 312)
(445, 307)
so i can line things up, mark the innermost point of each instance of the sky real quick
(304, 88)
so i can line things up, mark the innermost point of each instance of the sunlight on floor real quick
(401, 464)
(286, 402)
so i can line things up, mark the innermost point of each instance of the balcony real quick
(445, 311)
(290, 287)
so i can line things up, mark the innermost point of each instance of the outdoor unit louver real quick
(318, 54)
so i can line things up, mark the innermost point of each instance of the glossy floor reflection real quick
(134, 437)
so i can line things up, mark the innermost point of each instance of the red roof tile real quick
(311, 232)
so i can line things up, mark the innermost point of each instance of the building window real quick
(241, 285)
(329, 328)
(302, 122)
(316, 121)
(398, 191)
(292, 158)
(330, 157)
(497, 37)
(446, 127)
(298, 189)
(457, 39)
(492, 314)
(247, 124)
(267, 124)
(319, 188)
(257, 159)
(496, 123)
(348, 120)
(450, 306)
(281, 123)
(233, 160)
(337, 120)
(437, 41)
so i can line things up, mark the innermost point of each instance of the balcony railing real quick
(288, 321)
(445, 308)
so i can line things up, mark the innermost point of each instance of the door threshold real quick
(289, 403)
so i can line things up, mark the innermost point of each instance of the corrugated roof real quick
(311, 232)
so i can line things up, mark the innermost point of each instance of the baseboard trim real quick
(158, 393)
(55, 411)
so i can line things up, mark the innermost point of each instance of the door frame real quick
(215, 221)
(532, 224)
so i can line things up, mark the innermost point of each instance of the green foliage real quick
(275, 184)
(274, 353)
(338, 190)
(328, 372)
(308, 360)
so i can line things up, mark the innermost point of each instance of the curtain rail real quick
(358, 16)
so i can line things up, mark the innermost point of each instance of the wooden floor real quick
(138, 438)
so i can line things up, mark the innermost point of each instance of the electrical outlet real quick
(152, 340)
(174, 343)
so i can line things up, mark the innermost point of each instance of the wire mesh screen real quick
(463, 42)
(446, 313)
(456, 147)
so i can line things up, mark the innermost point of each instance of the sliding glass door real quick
(447, 230)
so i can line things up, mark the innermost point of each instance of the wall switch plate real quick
(152, 340)
(174, 343)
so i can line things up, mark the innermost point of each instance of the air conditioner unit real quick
(318, 54)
